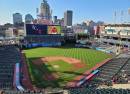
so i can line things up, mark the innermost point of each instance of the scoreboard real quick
(54, 29)
(36, 29)
(40, 29)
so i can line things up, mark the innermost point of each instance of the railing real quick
(17, 77)
(87, 78)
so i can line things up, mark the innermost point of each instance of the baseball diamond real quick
(55, 67)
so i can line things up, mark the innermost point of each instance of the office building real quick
(55, 19)
(17, 18)
(68, 18)
(45, 12)
(28, 18)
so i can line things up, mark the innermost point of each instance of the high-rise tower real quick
(17, 18)
(68, 18)
(45, 12)
(28, 18)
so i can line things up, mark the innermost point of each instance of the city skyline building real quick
(44, 16)
(28, 18)
(60, 21)
(68, 18)
(55, 19)
(17, 18)
(90, 23)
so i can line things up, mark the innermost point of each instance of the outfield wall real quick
(103, 50)
(49, 44)
(43, 41)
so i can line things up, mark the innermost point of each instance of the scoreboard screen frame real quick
(36, 29)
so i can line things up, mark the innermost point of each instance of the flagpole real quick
(122, 13)
(115, 17)
(128, 15)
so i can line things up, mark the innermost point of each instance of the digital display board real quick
(36, 29)
(55, 29)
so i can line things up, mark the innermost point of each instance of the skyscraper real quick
(55, 19)
(17, 18)
(68, 18)
(45, 12)
(28, 18)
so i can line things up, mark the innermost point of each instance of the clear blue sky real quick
(83, 9)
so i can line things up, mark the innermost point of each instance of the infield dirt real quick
(77, 64)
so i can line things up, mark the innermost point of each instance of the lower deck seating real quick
(109, 70)
(9, 56)
(98, 91)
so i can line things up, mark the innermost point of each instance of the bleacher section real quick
(44, 91)
(73, 91)
(126, 68)
(19, 92)
(9, 56)
(125, 55)
(110, 69)
(98, 91)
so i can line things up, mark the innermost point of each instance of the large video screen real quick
(55, 29)
(36, 29)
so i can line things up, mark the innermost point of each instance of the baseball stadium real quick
(52, 62)
(53, 55)
(46, 61)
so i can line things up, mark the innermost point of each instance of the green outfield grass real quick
(88, 56)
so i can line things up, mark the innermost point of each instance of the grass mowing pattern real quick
(63, 71)
(88, 56)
